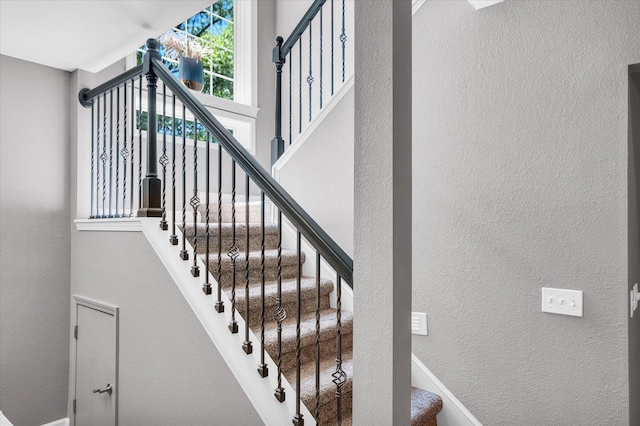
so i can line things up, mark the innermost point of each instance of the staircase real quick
(318, 325)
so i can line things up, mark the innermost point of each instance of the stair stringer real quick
(244, 367)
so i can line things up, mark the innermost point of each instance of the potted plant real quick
(189, 53)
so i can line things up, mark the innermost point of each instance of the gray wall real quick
(634, 242)
(170, 373)
(520, 182)
(34, 217)
(319, 175)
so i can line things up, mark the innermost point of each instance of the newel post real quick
(277, 143)
(151, 185)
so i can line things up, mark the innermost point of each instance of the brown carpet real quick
(424, 404)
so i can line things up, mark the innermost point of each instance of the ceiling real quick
(86, 34)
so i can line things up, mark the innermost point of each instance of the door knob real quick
(107, 389)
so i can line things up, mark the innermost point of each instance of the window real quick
(213, 29)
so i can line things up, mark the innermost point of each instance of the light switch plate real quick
(562, 302)
(419, 323)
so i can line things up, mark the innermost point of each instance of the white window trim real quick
(241, 113)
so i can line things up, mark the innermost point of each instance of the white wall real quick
(34, 217)
(169, 372)
(319, 173)
(520, 182)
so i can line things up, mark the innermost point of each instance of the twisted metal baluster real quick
(104, 157)
(343, 40)
(98, 159)
(332, 49)
(173, 239)
(339, 377)
(133, 128)
(300, 87)
(321, 29)
(263, 370)
(93, 141)
(125, 154)
(233, 250)
(298, 418)
(195, 201)
(164, 159)
(111, 151)
(246, 345)
(140, 143)
(206, 287)
(184, 254)
(280, 314)
(310, 77)
(117, 151)
(219, 305)
(317, 407)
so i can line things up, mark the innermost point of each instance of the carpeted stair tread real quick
(307, 330)
(255, 236)
(425, 406)
(288, 294)
(227, 208)
(289, 265)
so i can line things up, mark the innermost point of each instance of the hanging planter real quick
(191, 72)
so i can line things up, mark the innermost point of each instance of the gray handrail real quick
(301, 27)
(330, 250)
(85, 96)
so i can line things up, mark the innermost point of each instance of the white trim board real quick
(453, 412)
(477, 4)
(61, 422)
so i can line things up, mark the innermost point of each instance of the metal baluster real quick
(125, 154)
(206, 287)
(173, 239)
(321, 29)
(332, 50)
(317, 408)
(280, 314)
(310, 77)
(98, 159)
(133, 128)
(195, 201)
(93, 142)
(104, 157)
(300, 87)
(184, 254)
(298, 418)
(262, 368)
(117, 151)
(246, 345)
(219, 305)
(140, 142)
(339, 377)
(343, 40)
(164, 159)
(233, 250)
(290, 102)
(110, 150)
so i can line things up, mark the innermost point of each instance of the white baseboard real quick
(453, 412)
(61, 422)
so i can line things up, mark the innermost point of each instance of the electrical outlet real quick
(562, 302)
(419, 323)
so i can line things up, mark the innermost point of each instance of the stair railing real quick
(118, 134)
(310, 69)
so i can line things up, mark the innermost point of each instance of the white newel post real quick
(382, 245)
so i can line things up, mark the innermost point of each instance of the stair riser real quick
(255, 240)
(308, 352)
(308, 305)
(329, 411)
(226, 213)
(226, 278)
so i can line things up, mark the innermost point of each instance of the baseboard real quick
(61, 422)
(453, 412)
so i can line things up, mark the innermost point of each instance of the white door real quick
(96, 358)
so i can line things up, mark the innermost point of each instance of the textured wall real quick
(170, 372)
(520, 182)
(34, 217)
(325, 163)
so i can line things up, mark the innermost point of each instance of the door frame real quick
(109, 309)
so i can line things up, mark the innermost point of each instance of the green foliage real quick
(220, 62)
